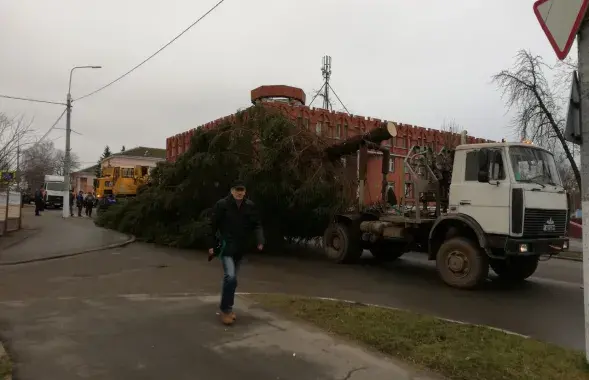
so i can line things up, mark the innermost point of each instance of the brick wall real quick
(339, 126)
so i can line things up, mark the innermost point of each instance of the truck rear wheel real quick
(385, 250)
(462, 264)
(341, 244)
(515, 268)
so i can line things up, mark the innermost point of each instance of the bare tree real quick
(59, 158)
(13, 131)
(43, 158)
(539, 112)
(451, 133)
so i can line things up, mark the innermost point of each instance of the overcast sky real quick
(416, 62)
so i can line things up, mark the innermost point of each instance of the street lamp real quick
(68, 130)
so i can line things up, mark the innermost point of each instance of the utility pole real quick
(326, 71)
(18, 165)
(583, 45)
(68, 132)
(66, 164)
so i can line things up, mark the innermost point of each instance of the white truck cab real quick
(55, 188)
(515, 194)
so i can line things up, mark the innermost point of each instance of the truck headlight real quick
(523, 248)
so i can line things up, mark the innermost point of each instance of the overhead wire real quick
(154, 54)
(31, 100)
(52, 127)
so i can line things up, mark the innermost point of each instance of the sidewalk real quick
(575, 245)
(141, 336)
(50, 235)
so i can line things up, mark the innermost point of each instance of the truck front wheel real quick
(341, 244)
(515, 268)
(462, 264)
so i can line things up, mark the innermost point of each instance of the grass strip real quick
(455, 351)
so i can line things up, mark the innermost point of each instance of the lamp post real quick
(68, 130)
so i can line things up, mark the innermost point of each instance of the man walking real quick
(38, 200)
(234, 219)
(72, 197)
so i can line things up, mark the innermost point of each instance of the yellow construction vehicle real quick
(121, 181)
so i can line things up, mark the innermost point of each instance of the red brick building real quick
(337, 126)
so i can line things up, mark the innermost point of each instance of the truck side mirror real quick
(483, 159)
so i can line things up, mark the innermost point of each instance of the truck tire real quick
(462, 264)
(386, 251)
(515, 268)
(342, 245)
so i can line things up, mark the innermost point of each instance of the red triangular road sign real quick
(560, 20)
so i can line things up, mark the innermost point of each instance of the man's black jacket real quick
(235, 224)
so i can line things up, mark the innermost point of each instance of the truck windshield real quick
(534, 165)
(54, 186)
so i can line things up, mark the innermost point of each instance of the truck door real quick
(486, 202)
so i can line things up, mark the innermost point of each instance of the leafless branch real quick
(14, 131)
(539, 112)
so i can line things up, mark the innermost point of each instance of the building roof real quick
(142, 151)
(89, 169)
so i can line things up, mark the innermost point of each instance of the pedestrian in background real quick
(234, 219)
(80, 202)
(72, 197)
(89, 204)
(38, 201)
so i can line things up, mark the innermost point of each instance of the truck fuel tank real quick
(382, 228)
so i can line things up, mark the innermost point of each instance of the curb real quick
(567, 258)
(3, 355)
(131, 239)
(389, 308)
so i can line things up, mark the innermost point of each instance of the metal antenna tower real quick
(326, 71)
(326, 90)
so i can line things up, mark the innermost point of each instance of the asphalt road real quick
(548, 307)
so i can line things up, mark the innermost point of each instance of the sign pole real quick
(5, 226)
(583, 42)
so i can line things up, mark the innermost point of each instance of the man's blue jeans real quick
(230, 269)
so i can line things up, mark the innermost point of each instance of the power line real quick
(31, 100)
(52, 127)
(154, 54)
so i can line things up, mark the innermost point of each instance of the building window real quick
(306, 123)
(318, 128)
(345, 130)
(391, 197)
(392, 162)
(401, 142)
(338, 131)
(408, 190)
(127, 172)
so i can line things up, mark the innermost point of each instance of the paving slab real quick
(51, 235)
(576, 245)
(141, 337)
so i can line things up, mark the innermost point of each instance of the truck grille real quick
(548, 223)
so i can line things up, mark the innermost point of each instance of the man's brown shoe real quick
(227, 319)
(234, 316)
